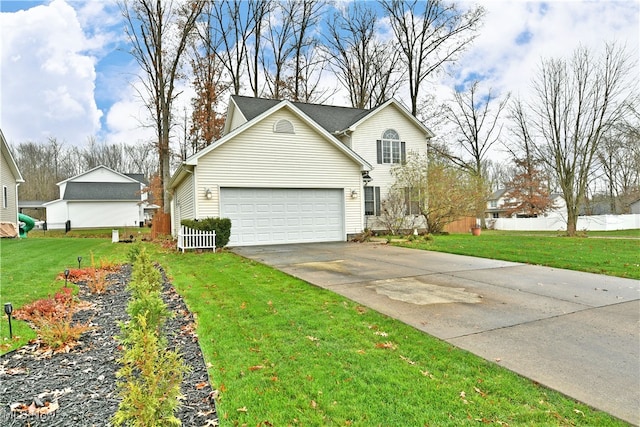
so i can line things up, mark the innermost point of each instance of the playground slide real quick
(26, 224)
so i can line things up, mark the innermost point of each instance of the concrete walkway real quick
(574, 332)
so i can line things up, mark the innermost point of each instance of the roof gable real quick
(301, 115)
(333, 119)
(6, 154)
(104, 173)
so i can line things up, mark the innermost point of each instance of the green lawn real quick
(283, 352)
(611, 253)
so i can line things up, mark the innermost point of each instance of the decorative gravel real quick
(81, 384)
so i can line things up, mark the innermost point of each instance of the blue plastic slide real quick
(26, 224)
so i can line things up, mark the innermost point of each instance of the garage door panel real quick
(267, 216)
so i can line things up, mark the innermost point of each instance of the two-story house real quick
(290, 172)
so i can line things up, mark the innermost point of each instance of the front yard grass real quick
(611, 253)
(283, 352)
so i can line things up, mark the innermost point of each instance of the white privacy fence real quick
(189, 238)
(555, 223)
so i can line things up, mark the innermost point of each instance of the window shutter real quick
(377, 198)
(379, 151)
(403, 152)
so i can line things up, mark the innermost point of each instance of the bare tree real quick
(231, 23)
(575, 102)
(430, 33)
(476, 120)
(434, 188)
(619, 160)
(158, 32)
(366, 67)
(305, 15)
(261, 10)
(209, 85)
(277, 38)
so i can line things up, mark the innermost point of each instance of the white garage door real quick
(263, 216)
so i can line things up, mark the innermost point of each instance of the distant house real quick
(98, 198)
(10, 179)
(635, 207)
(291, 172)
(497, 205)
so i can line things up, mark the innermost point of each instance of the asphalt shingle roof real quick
(102, 191)
(331, 118)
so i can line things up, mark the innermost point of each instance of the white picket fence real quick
(189, 238)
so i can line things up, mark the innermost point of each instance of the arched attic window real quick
(283, 126)
(390, 149)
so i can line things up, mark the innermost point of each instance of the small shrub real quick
(53, 319)
(151, 376)
(59, 330)
(134, 251)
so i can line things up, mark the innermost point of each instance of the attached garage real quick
(283, 215)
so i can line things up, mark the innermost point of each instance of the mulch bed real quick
(81, 384)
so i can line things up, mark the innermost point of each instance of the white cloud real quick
(48, 76)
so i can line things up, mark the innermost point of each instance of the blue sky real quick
(65, 72)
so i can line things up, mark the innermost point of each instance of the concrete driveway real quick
(574, 332)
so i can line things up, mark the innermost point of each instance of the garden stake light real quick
(79, 261)
(8, 308)
(66, 277)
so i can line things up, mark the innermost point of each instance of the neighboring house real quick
(497, 205)
(635, 207)
(289, 172)
(10, 179)
(100, 197)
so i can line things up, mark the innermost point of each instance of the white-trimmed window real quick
(5, 197)
(372, 201)
(390, 149)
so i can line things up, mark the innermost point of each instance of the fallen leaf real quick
(382, 334)
(310, 338)
(360, 309)
(497, 359)
(313, 404)
(201, 385)
(243, 409)
(256, 367)
(387, 345)
(406, 359)
(578, 411)
(480, 392)
(243, 305)
(361, 351)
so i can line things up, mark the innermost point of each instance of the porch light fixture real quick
(79, 261)
(366, 178)
(208, 194)
(8, 308)
(66, 277)
(354, 194)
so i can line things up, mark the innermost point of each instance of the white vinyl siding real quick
(93, 214)
(364, 142)
(9, 211)
(260, 158)
(184, 201)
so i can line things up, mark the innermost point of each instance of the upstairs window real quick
(390, 149)
(5, 197)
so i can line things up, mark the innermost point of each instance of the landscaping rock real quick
(78, 387)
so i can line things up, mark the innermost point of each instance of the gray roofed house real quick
(100, 197)
(291, 172)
